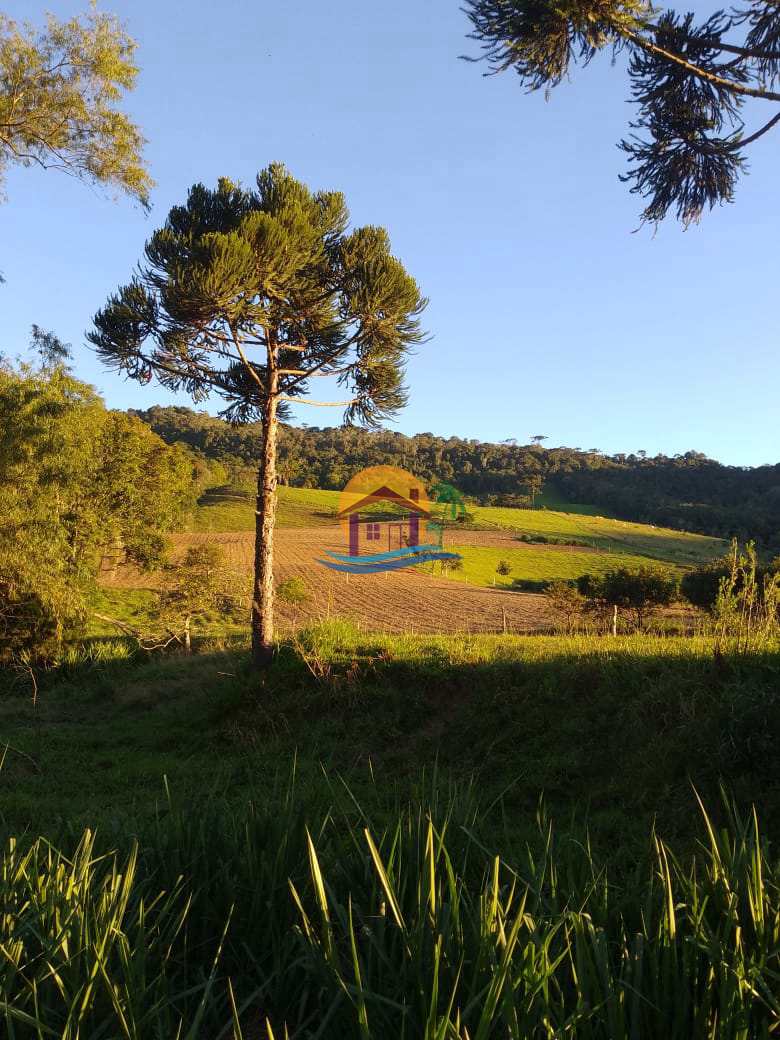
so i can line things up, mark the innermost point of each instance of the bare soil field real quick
(408, 601)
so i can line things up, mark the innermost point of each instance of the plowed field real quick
(406, 601)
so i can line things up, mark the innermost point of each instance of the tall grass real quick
(431, 923)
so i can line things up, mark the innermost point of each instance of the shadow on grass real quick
(614, 731)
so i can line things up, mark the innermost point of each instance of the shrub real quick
(566, 603)
(641, 592)
(292, 591)
(701, 586)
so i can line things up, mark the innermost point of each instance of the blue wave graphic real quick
(409, 550)
(369, 567)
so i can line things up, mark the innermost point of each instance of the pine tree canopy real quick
(690, 80)
(251, 292)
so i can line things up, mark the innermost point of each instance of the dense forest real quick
(690, 491)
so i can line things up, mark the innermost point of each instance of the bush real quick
(26, 624)
(566, 603)
(292, 591)
(641, 592)
(700, 587)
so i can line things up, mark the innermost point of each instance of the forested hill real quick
(688, 491)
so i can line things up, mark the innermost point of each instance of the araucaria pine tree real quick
(249, 295)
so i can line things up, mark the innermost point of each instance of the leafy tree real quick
(533, 484)
(701, 585)
(690, 78)
(197, 589)
(640, 591)
(76, 481)
(249, 294)
(59, 94)
(503, 568)
(566, 603)
(49, 348)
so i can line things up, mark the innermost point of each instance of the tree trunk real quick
(187, 635)
(265, 517)
(614, 620)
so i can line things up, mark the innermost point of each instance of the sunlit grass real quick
(231, 509)
(537, 563)
(604, 533)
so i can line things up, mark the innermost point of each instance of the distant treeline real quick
(690, 491)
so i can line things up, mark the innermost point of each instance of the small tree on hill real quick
(503, 568)
(533, 483)
(640, 592)
(199, 588)
(251, 294)
(566, 603)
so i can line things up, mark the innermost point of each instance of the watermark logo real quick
(388, 522)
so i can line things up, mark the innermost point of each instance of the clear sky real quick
(547, 314)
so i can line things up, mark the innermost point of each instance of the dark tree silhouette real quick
(690, 79)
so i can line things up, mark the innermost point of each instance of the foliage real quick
(702, 585)
(746, 611)
(198, 589)
(639, 591)
(503, 569)
(292, 591)
(566, 603)
(429, 923)
(79, 482)
(250, 294)
(533, 484)
(689, 79)
(59, 92)
(335, 303)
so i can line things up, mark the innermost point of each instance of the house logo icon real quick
(388, 523)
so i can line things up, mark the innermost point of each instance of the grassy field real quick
(532, 564)
(231, 509)
(656, 543)
(529, 714)
(440, 838)
(221, 510)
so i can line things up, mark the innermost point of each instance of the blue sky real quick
(548, 315)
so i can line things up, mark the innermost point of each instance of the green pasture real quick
(538, 563)
(657, 543)
(233, 509)
(617, 726)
